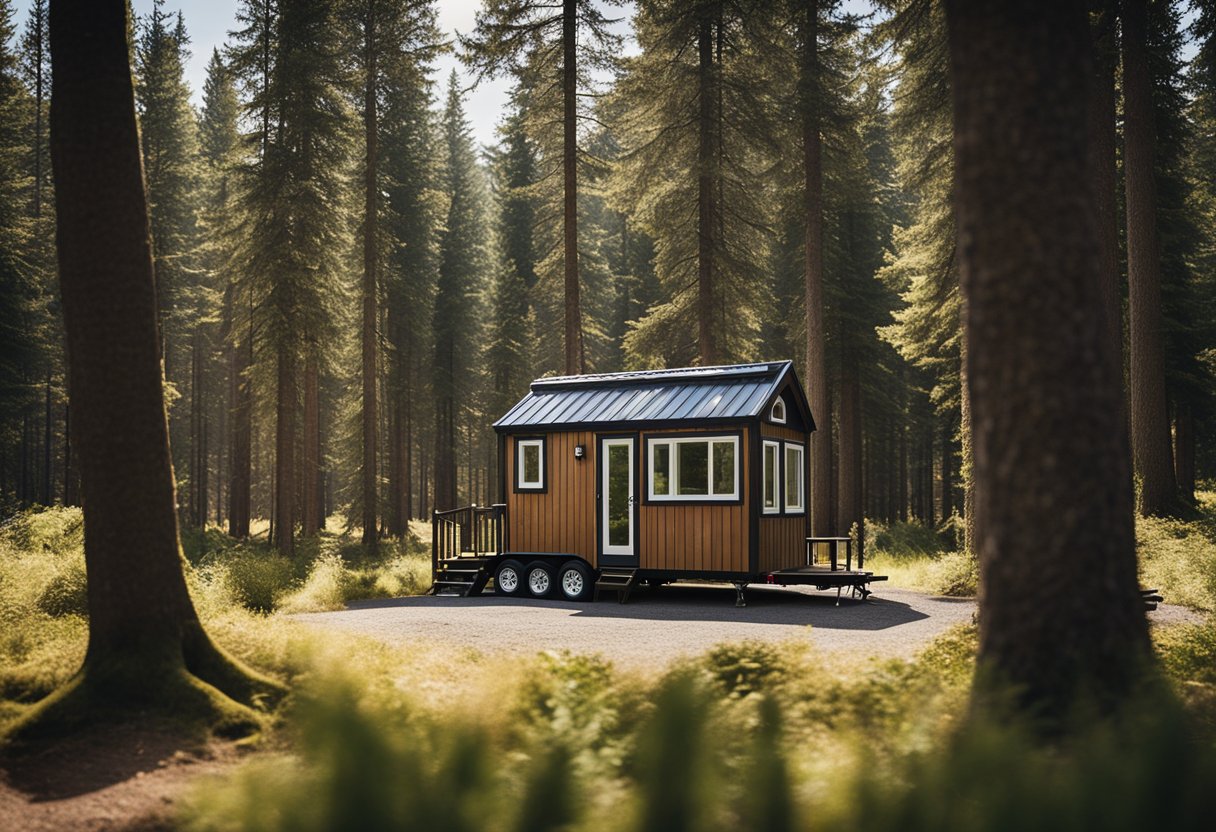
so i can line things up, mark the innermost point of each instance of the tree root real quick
(188, 682)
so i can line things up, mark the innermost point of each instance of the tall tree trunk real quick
(311, 495)
(69, 472)
(707, 225)
(47, 422)
(285, 452)
(371, 213)
(947, 468)
(576, 361)
(849, 488)
(1100, 128)
(397, 486)
(1150, 427)
(1053, 490)
(816, 360)
(968, 448)
(240, 443)
(445, 454)
(1184, 450)
(145, 639)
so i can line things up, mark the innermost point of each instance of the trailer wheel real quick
(539, 578)
(509, 578)
(574, 581)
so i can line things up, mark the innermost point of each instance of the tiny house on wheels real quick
(651, 477)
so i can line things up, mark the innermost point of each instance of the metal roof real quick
(697, 394)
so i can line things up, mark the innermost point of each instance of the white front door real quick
(617, 502)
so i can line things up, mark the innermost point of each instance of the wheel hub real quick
(538, 581)
(572, 583)
(508, 580)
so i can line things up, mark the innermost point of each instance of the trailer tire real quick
(509, 578)
(574, 581)
(539, 579)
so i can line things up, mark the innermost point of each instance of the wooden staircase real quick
(461, 576)
(616, 579)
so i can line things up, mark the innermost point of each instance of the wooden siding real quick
(703, 537)
(561, 519)
(782, 537)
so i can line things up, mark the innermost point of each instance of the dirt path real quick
(120, 779)
(657, 626)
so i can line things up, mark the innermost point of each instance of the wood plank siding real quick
(704, 537)
(562, 518)
(782, 537)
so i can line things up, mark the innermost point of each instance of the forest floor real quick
(659, 626)
(116, 779)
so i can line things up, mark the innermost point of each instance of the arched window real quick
(777, 414)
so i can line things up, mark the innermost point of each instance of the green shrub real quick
(1179, 556)
(258, 581)
(906, 540)
(325, 588)
(67, 593)
(744, 667)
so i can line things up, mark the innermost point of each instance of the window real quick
(777, 414)
(795, 478)
(772, 477)
(530, 465)
(704, 468)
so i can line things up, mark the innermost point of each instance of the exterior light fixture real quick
(580, 451)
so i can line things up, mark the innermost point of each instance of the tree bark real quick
(1053, 496)
(311, 495)
(1150, 428)
(947, 468)
(576, 361)
(240, 443)
(370, 286)
(707, 225)
(1184, 450)
(816, 361)
(147, 648)
(849, 488)
(1101, 129)
(285, 452)
(47, 441)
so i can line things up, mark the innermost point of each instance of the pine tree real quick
(147, 649)
(413, 216)
(927, 330)
(698, 140)
(1053, 485)
(1150, 429)
(18, 287)
(293, 230)
(219, 140)
(462, 262)
(573, 39)
(387, 35)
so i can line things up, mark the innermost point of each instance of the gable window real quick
(530, 465)
(795, 478)
(772, 477)
(697, 468)
(777, 414)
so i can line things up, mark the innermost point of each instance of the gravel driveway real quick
(661, 624)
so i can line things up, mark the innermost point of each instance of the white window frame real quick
(522, 483)
(775, 471)
(772, 413)
(800, 506)
(673, 476)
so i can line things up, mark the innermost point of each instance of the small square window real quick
(530, 465)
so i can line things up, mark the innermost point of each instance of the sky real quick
(209, 21)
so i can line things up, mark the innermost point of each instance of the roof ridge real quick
(691, 373)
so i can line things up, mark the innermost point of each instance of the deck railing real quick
(471, 531)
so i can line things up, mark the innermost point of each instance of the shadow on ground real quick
(765, 605)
